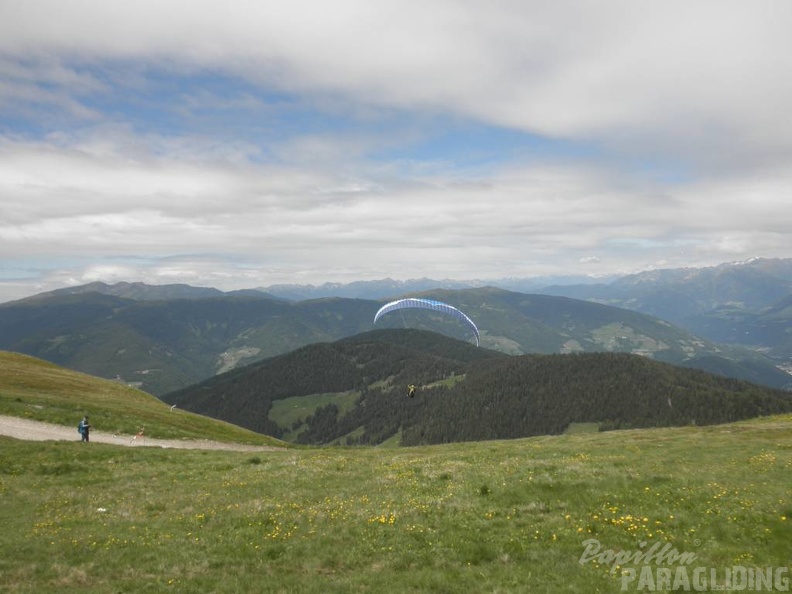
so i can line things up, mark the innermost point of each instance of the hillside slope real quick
(41, 391)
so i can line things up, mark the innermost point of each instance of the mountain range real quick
(735, 320)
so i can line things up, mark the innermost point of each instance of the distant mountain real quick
(375, 289)
(161, 345)
(388, 288)
(134, 291)
(768, 329)
(358, 388)
(678, 294)
(518, 323)
(742, 303)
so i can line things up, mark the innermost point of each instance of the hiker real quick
(84, 428)
(411, 390)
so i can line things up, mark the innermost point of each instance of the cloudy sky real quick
(245, 143)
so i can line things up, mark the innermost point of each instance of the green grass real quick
(34, 389)
(502, 516)
(499, 516)
(582, 428)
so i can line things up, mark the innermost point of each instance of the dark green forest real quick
(467, 393)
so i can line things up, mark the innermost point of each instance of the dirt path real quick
(38, 431)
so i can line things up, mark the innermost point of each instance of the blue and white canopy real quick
(414, 302)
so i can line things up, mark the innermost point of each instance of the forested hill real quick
(357, 392)
(544, 394)
(387, 358)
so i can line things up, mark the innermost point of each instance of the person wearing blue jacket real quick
(84, 428)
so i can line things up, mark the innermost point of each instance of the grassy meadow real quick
(498, 516)
(505, 516)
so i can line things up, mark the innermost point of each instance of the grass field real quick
(506, 516)
(570, 513)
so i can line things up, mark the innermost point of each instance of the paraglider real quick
(414, 302)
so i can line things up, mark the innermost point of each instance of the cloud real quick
(98, 201)
(310, 141)
(662, 76)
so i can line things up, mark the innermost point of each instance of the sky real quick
(244, 143)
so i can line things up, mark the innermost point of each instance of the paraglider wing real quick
(414, 302)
